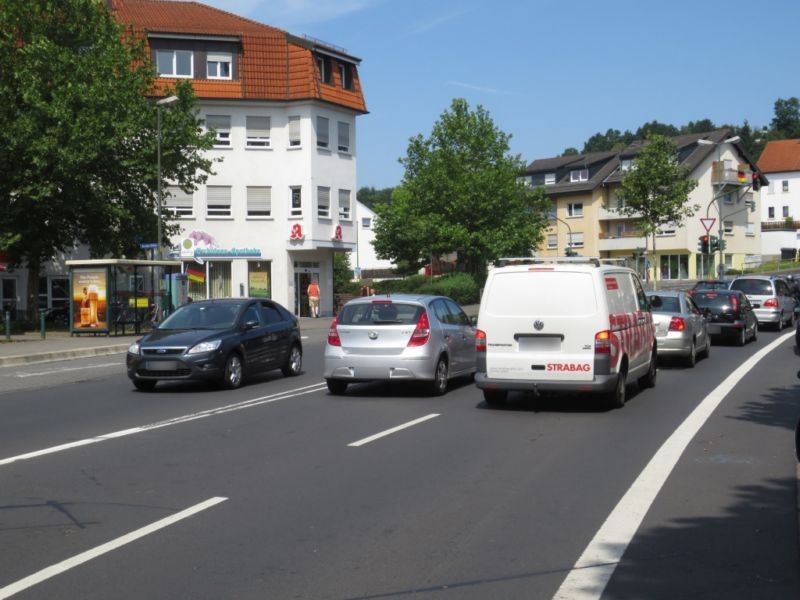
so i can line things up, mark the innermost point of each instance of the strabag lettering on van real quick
(572, 367)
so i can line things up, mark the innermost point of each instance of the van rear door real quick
(540, 324)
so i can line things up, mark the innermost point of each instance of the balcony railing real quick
(734, 176)
(785, 225)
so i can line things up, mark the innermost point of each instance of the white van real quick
(564, 324)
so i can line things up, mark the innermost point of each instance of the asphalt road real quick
(279, 490)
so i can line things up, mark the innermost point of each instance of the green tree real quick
(342, 272)
(369, 196)
(461, 192)
(786, 122)
(570, 151)
(79, 135)
(657, 189)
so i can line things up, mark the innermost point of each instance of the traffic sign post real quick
(708, 223)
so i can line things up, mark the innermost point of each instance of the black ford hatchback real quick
(219, 340)
(729, 314)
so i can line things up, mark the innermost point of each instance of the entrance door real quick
(301, 281)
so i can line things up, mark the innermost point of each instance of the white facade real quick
(364, 257)
(781, 198)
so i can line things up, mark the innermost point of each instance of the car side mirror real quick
(250, 325)
(656, 302)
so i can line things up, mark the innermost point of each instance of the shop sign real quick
(337, 233)
(297, 232)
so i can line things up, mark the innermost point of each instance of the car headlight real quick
(133, 348)
(204, 347)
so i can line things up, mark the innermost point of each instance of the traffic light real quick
(756, 181)
(713, 244)
(702, 244)
(721, 244)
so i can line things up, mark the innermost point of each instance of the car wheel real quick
(707, 353)
(691, 360)
(439, 385)
(649, 380)
(144, 385)
(495, 397)
(742, 340)
(616, 399)
(294, 362)
(337, 387)
(233, 374)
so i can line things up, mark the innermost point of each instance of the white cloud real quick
(292, 13)
(477, 88)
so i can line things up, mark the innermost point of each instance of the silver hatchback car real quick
(399, 338)
(773, 302)
(681, 327)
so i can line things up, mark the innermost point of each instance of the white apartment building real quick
(780, 200)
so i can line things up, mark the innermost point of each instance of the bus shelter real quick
(121, 296)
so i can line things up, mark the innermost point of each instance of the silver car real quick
(400, 337)
(681, 327)
(772, 299)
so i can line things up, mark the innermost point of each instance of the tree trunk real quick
(32, 312)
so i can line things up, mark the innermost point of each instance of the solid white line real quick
(372, 438)
(83, 557)
(593, 570)
(67, 369)
(309, 389)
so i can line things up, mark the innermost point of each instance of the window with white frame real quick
(323, 131)
(324, 202)
(295, 201)
(666, 229)
(218, 200)
(771, 212)
(727, 227)
(294, 132)
(749, 229)
(625, 164)
(576, 238)
(258, 132)
(579, 175)
(179, 202)
(366, 223)
(259, 201)
(218, 65)
(549, 178)
(175, 63)
(575, 209)
(346, 76)
(343, 144)
(785, 185)
(552, 240)
(221, 124)
(771, 187)
(785, 211)
(344, 204)
(324, 67)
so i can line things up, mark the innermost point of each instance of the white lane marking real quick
(372, 438)
(83, 557)
(66, 369)
(593, 570)
(309, 389)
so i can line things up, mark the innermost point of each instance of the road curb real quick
(26, 359)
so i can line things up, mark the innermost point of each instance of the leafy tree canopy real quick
(369, 196)
(461, 192)
(79, 134)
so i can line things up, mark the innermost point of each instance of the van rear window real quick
(542, 293)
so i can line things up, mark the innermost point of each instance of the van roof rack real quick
(534, 260)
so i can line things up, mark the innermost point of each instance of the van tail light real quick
(480, 341)
(602, 342)
(677, 324)
(735, 303)
(333, 334)
(422, 333)
(771, 303)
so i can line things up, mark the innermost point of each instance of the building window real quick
(727, 227)
(579, 175)
(785, 211)
(221, 124)
(575, 209)
(771, 212)
(666, 230)
(771, 187)
(674, 266)
(346, 76)
(322, 132)
(366, 223)
(324, 202)
(727, 198)
(552, 240)
(575, 239)
(625, 164)
(218, 65)
(294, 132)
(218, 200)
(296, 206)
(344, 204)
(175, 63)
(343, 144)
(179, 202)
(785, 185)
(258, 132)
(749, 229)
(324, 67)
(549, 178)
(259, 201)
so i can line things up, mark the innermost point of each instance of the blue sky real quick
(550, 73)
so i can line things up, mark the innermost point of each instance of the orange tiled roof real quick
(272, 64)
(780, 156)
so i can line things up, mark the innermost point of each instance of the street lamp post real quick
(718, 195)
(170, 100)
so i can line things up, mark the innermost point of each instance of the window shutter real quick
(322, 132)
(258, 131)
(294, 131)
(344, 137)
(344, 204)
(218, 198)
(259, 201)
(178, 201)
(218, 122)
(324, 202)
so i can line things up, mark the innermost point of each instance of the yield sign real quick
(708, 223)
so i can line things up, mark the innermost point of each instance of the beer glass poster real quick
(89, 299)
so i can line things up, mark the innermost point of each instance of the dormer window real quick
(625, 164)
(324, 67)
(549, 178)
(175, 63)
(346, 76)
(579, 175)
(218, 65)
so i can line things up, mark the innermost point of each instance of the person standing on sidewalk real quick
(313, 298)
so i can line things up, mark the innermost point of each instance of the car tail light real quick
(677, 324)
(422, 333)
(480, 341)
(735, 303)
(602, 342)
(771, 303)
(333, 334)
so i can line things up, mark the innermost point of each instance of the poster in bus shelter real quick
(89, 304)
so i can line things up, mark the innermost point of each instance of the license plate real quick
(162, 365)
